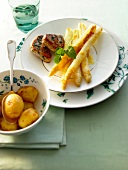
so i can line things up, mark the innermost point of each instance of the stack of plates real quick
(108, 72)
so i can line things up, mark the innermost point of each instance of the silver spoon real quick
(11, 47)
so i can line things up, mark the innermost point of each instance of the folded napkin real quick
(48, 134)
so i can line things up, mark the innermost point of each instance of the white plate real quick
(104, 51)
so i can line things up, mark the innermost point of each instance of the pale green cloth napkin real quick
(48, 134)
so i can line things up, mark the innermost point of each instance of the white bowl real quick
(26, 78)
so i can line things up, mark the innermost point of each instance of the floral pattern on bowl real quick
(21, 81)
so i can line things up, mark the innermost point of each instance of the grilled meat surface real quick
(39, 50)
(53, 41)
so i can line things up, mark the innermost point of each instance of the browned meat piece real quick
(53, 41)
(40, 51)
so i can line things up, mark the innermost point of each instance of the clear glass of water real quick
(25, 13)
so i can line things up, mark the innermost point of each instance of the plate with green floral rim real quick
(99, 93)
(104, 51)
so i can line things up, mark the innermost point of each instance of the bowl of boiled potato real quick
(27, 103)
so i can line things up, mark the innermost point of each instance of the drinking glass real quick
(25, 13)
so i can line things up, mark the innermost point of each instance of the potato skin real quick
(3, 95)
(28, 105)
(8, 126)
(28, 93)
(28, 117)
(13, 105)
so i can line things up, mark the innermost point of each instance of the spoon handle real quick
(11, 47)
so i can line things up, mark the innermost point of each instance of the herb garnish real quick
(60, 52)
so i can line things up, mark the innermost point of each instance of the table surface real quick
(97, 136)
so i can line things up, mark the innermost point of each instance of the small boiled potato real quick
(28, 93)
(3, 95)
(13, 105)
(8, 126)
(28, 105)
(28, 117)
